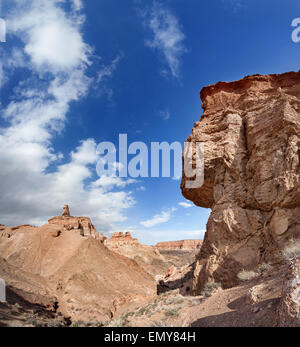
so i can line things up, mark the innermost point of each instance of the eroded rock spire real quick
(66, 211)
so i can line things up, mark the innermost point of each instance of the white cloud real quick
(185, 205)
(160, 218)
(107, 71)
(110, 182)
(165, 114)
(141, 189)
(52, 39)
(77, 5)
(34, 183)
(104, 73)
(167, 36)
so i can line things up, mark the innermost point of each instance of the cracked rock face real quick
(251, 134)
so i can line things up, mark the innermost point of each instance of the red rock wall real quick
(251, 134)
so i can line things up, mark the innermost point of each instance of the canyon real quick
(244, 273)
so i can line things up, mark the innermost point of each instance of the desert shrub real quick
(264, 267)
(210, 287)
(292, 250)
(161, 308)
(79, 324)
(174, 312)
(158, 324)
(54, 324)
(195, 302)
(245, 275)
(96, 324)
(178, 300)
(119, 322)
(127, 315)
(116, 323)
(33, 322)
(141, 312)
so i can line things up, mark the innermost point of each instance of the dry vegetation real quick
(163, 311)
(245, 275)
(292, 250)
(210, 288)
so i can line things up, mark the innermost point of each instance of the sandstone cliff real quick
(251, 133)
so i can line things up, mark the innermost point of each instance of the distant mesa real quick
(187, 245)
(120, 238)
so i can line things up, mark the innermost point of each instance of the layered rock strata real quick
(251, 134)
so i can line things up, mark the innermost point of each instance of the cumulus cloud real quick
(110, 182)
(55, 57)
(77, 5)
(52, 38)
(185, 204)
(167, 36)
(160, 218)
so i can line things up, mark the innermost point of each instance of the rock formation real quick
(184, 245)
(82, 225)
(66, 211)
(119, 239)
(65, 267)
(251, 134)
(148, 257)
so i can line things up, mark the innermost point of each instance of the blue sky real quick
(75, 73)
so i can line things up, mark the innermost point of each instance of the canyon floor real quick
(254, 303)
